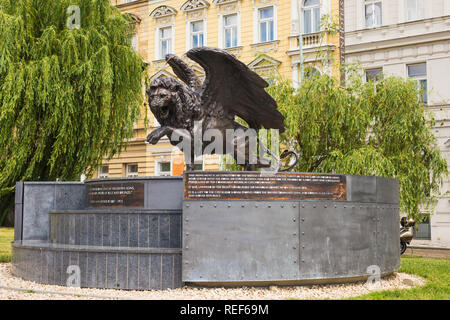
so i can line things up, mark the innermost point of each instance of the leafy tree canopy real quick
(378, 128)
(68, 96)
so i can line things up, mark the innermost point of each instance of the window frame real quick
(162, 56)
(102, 175)
(374, 21)
(376, 77)
(419, 78)
(312, 8)
(419, 14)
(131, 174)
(157, 167)
(191, 33)
(259, 21)
(225, 28)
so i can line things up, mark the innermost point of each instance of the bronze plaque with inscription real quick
(263, 186)
(119, 194)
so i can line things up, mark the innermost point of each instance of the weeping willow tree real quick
(376, 128)
(68, 96)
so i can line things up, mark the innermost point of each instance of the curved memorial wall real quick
(208, 228)
(123, 234)
(288, 228)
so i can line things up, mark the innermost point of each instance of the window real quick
(230, 31)
(165, 41)
(197, 34)
(103, 172)
(373, 13)
(311, 12)
(163, 168)
(374, 74)
(266, 24)
(311, 72)
(418, 72)
(134, 42)
(131, 170)
(414, 10)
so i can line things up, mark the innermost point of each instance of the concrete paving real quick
(429, 249)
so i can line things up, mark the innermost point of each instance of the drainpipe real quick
(300, 40)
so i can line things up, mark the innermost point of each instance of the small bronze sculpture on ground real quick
(230, 89)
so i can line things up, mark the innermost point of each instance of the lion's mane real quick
(185, 106)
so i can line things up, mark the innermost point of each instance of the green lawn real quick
(6, 237)
(435, 271)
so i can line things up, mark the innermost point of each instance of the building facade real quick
(409, 38)
(261, 33)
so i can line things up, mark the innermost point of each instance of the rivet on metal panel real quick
(256, 206)
(187, 234)
(314, 206)
(294, 248)
(243, 206)
(269, 206)
(295, 261)
(294, 219)
(282, 206)
(303, 247)
(187, 248)
(201, 206)
(303, 219)
(229, 205)
(303, 260)
(215, 205)
(303, 206)
(294, 234)
(335, 207)
(187, 206)
(294, 206)
(303, 233)
(186, 219)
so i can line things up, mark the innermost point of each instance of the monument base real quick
(231, 229)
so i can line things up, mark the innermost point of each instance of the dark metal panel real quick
(143, 230)
(240, 240)
(388, 237)
(155, 271)
(111, 272)
(336, 239)
(91, 269)
(133, 266)
(18, 211)
(164, 194)
(122, 263)
(164, 231)
(387, 190)
(144, 272)
(38, 200)
(361, 188)
(134, 231)
(69, 196)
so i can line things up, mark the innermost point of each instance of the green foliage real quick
(6, 237)
(375, 128)
(68, 97)
(435, 272)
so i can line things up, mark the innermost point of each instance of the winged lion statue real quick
(230, 89)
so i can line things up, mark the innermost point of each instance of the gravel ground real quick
(12, 288)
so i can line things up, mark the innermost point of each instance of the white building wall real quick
(398, 43)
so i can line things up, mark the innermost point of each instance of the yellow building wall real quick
(280, 55)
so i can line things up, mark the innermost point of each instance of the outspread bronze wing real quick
(230, 84)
